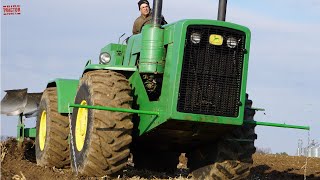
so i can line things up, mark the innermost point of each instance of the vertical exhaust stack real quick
(222, 10)
(156, 14)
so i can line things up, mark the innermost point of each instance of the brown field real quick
(19, 163)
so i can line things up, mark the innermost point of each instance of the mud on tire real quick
(108, 134)
(229, 158)
(54, 149)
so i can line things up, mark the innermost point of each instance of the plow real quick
(20, 103)
(172, 89)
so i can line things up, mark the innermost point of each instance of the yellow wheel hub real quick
(81, 126)
(43, 130)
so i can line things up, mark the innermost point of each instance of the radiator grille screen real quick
(211, 74)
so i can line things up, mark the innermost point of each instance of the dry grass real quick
(143, 174)
(4, 150)
(19, 177)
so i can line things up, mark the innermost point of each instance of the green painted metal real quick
(90, 67)
(276, 125)
(20, 128)
(116, 51)
(152, 50)
(116, 109)
(30, 132)
(23, 132)
(163, 105)
(133, 50)
(66, 92)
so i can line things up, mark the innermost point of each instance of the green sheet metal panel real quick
(66, 92)
(116, 51)
(30, 132)
(133, 49)
(147, 122)
(127, 56)
(110, 67)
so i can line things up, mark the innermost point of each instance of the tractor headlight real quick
(195, 38)
(104, 58)
(232, 42)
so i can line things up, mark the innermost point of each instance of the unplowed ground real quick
(19, 163)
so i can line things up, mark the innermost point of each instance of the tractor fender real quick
(91, 67)
(66, 92)
(126, 71)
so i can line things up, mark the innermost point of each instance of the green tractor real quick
(172, 89)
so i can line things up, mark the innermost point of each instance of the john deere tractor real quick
(172, 89)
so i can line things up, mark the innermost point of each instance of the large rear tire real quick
(229, 158)
(101, 139)
(52, 147)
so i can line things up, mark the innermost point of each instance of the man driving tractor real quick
(144, 18)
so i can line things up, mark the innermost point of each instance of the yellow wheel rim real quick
(81, 126)
(43, 130)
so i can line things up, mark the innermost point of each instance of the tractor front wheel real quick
(100, 139)
(230, 157)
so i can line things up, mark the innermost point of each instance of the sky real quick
(54, 39)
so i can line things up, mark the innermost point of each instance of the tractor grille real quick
(211, 74)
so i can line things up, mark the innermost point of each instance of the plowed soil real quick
(19, 163)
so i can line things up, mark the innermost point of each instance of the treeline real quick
(262, 150)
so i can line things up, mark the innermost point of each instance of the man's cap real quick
(142, 2)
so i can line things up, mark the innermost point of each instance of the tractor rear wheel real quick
(52, 147)
(100, 139)
(230, 157)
